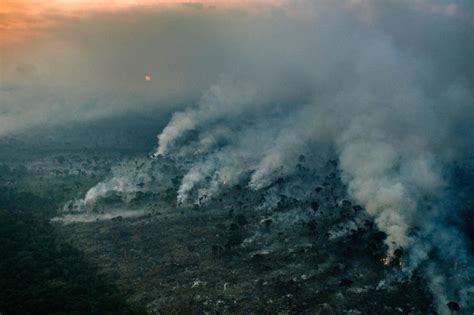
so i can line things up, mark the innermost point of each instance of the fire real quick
(392, 261)
(386, 261)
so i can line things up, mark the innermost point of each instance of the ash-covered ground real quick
(241, 252)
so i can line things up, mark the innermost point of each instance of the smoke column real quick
(392, 96)
(386, 88)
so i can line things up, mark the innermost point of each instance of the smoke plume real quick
(384, 87)
(392, 97)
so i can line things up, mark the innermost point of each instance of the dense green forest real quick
(40, 273)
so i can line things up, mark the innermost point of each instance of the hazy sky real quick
(22, 19)
(76, 60)
(389, 83)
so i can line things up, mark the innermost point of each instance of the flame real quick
(386, 261)
(391, 261)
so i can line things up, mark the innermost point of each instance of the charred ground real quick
(228, 255)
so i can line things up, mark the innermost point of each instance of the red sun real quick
(148, 78)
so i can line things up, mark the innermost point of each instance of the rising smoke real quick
(394, 101)
(385, 87)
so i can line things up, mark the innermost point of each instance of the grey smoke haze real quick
(93, 66)
(394, 96)
(387, 85)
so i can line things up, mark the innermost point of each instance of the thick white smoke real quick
(396, 106)
(385, 86)
(129, 179)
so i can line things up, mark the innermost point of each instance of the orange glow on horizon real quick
(22, 19)
(19, 18)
